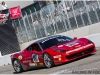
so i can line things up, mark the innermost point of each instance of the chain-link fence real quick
(56, 18)
(8, 40)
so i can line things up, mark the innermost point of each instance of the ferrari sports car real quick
(50, 51)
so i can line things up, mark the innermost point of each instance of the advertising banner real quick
(15, 12)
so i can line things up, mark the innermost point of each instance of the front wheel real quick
(48, 62)
(17, 66)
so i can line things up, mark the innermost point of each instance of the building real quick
(44, 18)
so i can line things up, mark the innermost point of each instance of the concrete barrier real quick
(95, 38)
(5, 60)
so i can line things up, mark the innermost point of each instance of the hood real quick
(70, 46)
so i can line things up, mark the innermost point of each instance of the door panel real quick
(27, 57)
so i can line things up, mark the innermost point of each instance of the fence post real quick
(87, 12)
(0, 54)
(64, 6)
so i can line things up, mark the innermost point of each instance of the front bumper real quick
(76, 53)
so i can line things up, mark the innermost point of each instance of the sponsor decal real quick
(89, 45)
(41, 64)
(83, 47)
(47, 39)
(78, 46)
(20, 57)
(27, 61)
(72, 44)
(32, 64)
(36, 64)
(35, 58)
(57, 56)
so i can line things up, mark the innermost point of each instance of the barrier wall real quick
(91, 32)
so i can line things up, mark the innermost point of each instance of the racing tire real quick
(48, 61)
(17, 66)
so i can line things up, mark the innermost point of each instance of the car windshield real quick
(54, 41)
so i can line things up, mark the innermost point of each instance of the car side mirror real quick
(75, 38)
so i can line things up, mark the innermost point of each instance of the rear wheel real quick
(48, 62)
(17, 66)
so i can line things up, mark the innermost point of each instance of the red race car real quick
(51, 51)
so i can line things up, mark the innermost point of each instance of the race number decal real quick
(35, 57)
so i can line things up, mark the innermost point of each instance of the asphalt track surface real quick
(85, 65)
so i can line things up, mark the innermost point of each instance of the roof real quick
(43, 39)
(40, 40)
